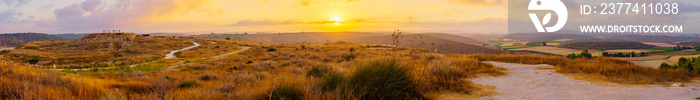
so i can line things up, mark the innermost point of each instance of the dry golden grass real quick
(286, 72)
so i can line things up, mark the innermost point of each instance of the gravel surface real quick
(526, 82)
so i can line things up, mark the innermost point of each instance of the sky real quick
(252, 16)
(204, 16)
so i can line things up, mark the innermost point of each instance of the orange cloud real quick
(479, 2)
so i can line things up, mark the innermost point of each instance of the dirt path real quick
(527, 82)
(173, 67)
(171, 55)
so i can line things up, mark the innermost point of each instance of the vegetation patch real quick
(382, 79)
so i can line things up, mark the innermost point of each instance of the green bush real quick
(283, 92)
(690, 64)
(33, 61)
(382, 79)
(318, 71)
(188, 84)
(331, 81)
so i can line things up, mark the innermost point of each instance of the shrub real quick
(382, 80)
(331, 81)
(271, 49)
(350, 57)
(33, 61)
(318, 71)
(207, 77)
(283, 92)
(187, 84)
(227, 88)
(352, 49)
(200, 67)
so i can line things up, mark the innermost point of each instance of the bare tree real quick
(161, 86)
(395, 38)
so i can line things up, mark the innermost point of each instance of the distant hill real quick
(71, 36)
(319, 37)
(429, 42)
(456, 38)
(544, 37)
(16, 39)
(604, 44)
(434, 41)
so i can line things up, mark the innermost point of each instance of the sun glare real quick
(337, 19)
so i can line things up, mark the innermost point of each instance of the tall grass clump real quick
(318, 71)
(283, 92)
(331, 81)
(382, 79)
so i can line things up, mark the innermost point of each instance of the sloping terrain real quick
(291, 37)
(433, 41)
(543, 37)
(456, 38)
(16, 39)
(96, 50)
(604, 44)
(428, 42)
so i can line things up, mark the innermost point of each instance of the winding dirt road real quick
(525, 82)
(171, 55)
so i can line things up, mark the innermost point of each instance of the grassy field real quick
(514, 47)
(628, 51)
(337, 70)
(96, 50)
(557, 51)
(676, 57)
(660, 44)
(662, 48)
(679, 53)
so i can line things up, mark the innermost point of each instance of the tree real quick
(696, 48)
(572, 56)
(632, 54)
(544, 43)
(606, 54)
(642, 54)
(227, 38)
(664, 66)
(678, 48)
(620, 55)
(585, 53)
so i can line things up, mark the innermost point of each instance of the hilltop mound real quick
(98, 49)
(604, 44)
(429, 42)
(16, 39)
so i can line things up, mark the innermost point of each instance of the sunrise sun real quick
(337, 19)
